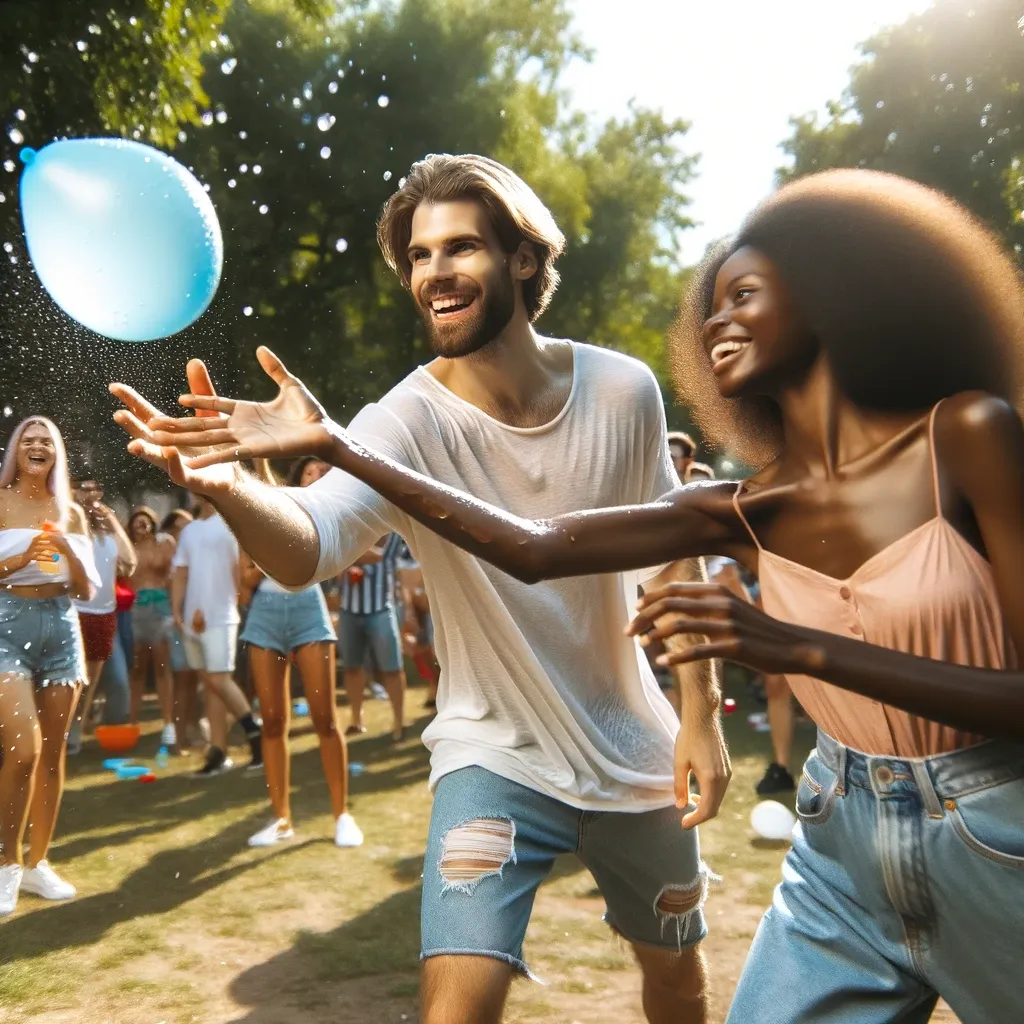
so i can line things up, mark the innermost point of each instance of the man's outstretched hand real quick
(194, 450)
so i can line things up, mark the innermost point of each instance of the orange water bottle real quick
(50, 563)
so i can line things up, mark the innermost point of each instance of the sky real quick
(735, 69)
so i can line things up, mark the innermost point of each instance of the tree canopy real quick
(301, 116)
(939, 98)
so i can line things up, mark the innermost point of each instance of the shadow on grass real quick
(170, 878)
(382, 942)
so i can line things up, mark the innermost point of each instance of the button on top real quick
(884, 774)
(845, 593)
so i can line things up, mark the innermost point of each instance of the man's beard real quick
(494, 309)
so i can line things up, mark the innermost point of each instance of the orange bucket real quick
(117, 739)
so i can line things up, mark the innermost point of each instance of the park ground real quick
(179, 922)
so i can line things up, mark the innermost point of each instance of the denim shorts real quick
(151, 618)
(905, 882)
(646, 865)
(376, 634)
(282, 622)
(40, 638)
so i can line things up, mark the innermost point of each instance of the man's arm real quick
(127, 558)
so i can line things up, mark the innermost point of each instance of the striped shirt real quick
(374, 590)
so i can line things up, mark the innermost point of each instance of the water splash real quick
(325, 153)
(257, 169)
(383, 101)
(264, 208)
(15, 136)
(325, 122)
(81, 46)
(387, 175)
(20, 115)
(207, 118)
(229, 65)
(247, 310)
(341, 244)
(332, 87)
(221, 116)
(9, 166)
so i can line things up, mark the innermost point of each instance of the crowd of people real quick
(93, 608)
(858, 343)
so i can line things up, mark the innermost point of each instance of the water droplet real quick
(223, 40)
(264, 208)
(243, 135)
(325, 152)
(33, 58)
(182, 137)
(232, 183)
(9, 166)
(332, 88)
(341, 244)
(325, 122)
(222, 116)
(242, 168)
(8, 411)
(387, 175)
(307, 91)
(95, 30)
(247, 310)
(82, 45)
(296, 103)
(383, 101)
(28, 645)
(257, 169)
(20, 115)
(207, 118)
(15, 136)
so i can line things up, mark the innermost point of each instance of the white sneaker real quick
(378, 691)
(275, 832)
(347, 832)
(43, 881)
(10, 882)
(169, 737)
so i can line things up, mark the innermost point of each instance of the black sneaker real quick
(776, 780)
(217, 762)
(256, 746)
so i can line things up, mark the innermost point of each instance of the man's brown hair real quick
(516, 213)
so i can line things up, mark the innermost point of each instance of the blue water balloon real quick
(124, 238)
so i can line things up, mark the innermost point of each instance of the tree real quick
(301, 120)
(939, 99)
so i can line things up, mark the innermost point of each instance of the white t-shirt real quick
(208, 549)
(104, 553)
(539, 684)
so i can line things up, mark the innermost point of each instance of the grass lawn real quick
(178, 921)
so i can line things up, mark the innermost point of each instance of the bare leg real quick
(93, 669)
(217, 713)
(394, 683)
(316, 663)
(140, 670)
(229, 691)
(269, 673)
(464, 989)
(54, 706)
(355, 689)
(675, 985)
(21, 743)
(164, 682)
(186, 707)
(781, 718)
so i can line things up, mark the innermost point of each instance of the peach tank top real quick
(929, 593)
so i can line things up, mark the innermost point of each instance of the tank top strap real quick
(935, 461)
(742, 517)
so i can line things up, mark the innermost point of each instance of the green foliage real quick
(938, 99)
(238, 86)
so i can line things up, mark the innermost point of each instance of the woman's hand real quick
(292, 424)
(733, 629)
(41, 549)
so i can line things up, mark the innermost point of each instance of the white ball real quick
(772, 820)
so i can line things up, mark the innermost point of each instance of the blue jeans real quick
(647, 867)
(285, 622)
(114, 677)
(905, 882)
(40, 639)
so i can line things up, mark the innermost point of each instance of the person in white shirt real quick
(204, 602)
(552, 735)
(114, 555)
